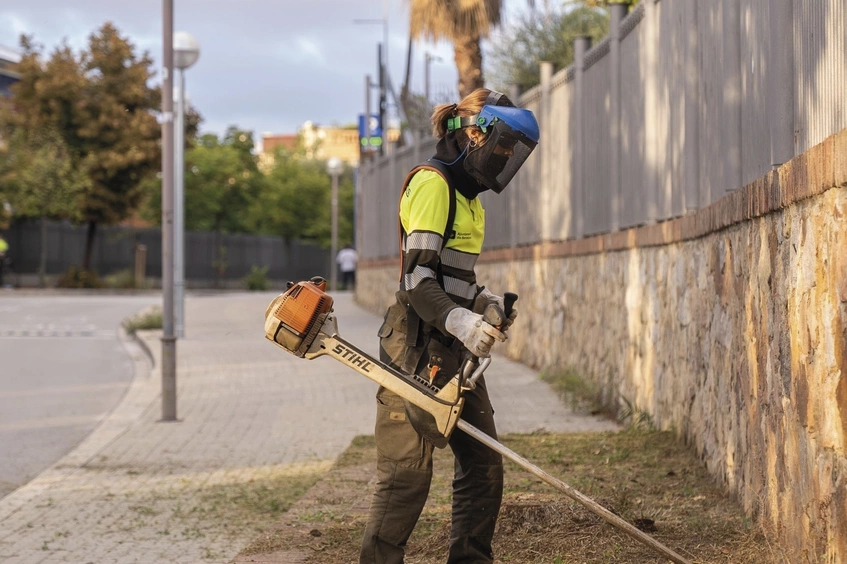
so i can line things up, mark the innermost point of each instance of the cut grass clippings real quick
(646, 477)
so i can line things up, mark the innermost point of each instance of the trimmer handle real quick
(509, 299)
(472, 369)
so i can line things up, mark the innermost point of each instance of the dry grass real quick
(645, 477)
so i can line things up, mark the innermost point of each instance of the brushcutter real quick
(301, 321)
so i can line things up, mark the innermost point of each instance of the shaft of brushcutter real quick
(584, 500)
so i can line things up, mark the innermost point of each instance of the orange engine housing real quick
(290, 319)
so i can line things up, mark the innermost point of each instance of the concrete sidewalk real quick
(247, 411)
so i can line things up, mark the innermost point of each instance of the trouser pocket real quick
(396, 439)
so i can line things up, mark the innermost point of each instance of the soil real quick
(645, 477)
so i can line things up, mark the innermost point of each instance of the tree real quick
(119, 135)
(45, 185)
(521, 47)
(464, 24)
(102, 107)
(295, 201)
(219, 188)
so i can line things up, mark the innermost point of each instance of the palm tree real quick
(462, 22)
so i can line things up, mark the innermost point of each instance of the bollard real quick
(140, 264)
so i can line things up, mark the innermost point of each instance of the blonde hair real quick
(469, 106)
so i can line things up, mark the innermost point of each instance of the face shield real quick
(511, 134)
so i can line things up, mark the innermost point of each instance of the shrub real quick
(150, 318)
(77, 277)
(257, 279)
(123, 279)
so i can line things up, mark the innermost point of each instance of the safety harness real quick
(414, 324)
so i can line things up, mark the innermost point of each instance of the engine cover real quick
(293, 319)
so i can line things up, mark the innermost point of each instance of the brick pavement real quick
(247, 411)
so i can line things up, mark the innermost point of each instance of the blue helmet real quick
(511, 134)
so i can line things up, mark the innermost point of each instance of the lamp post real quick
(186, 53)
(167, 119)
(334, 167)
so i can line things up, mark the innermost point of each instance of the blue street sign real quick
(374, 140)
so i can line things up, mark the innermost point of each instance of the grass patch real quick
(150, 318)
(580, 394)
(646, 477)
(252, 505)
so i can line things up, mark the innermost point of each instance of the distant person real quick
(346, 259)
(4, 249)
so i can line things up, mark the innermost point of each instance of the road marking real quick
(41, 331)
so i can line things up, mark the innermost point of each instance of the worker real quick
(437, 316)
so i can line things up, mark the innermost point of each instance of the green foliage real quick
(123, 279)
(102, 107)
(257, 279)
(39, 172)
(634, 418)
(78, 277)
(535, 38)
(579, 393)
(221, 182)
(296, 201)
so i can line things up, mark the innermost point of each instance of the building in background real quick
(318, 142)
(8, 59)
(271, 143)
(324, 143)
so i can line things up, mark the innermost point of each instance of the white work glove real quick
(485, 297)
(477, 335)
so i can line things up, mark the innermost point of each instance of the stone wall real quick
(729, 326)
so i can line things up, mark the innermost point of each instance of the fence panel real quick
(704, 89)
(633, 208)
(820, 63)
(559, 136)
(598, 194)
(114, 251)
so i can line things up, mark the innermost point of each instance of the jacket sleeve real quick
(423, 212)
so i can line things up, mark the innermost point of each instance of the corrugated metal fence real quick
(683, 102)
(114, 250)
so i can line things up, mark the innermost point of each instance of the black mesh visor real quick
(497, 160)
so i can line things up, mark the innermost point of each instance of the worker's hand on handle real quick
(486, 298)
(470, 328)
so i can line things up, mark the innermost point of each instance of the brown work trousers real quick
(404, 473)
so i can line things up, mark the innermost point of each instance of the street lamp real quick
(186, 53)
(334, 167)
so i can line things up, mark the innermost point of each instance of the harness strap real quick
(448, 232)
(414, 324)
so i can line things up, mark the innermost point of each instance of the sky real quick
(265, 65)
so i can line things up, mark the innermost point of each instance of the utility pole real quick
(168, 338)
(382, 104)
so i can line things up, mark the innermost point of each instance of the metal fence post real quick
(546, 69)
(780, 74)
(140, 264)
(581, 45)
(514, 94)
(618, 12)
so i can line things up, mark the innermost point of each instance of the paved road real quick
(62, 369)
